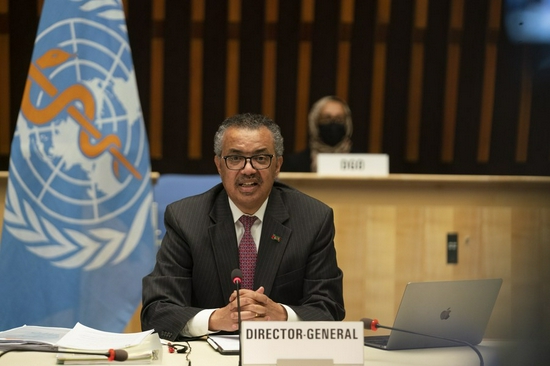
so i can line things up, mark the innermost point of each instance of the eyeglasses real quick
(238, 162)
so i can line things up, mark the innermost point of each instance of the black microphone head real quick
(369, 323)
(119, 355)
(236, 275)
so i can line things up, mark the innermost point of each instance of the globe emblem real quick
(79, 168)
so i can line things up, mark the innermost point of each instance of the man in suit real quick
(190, 291)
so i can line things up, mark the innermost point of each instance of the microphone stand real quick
(237, 277)
(238, 283)
(481, 363)
(374, 325)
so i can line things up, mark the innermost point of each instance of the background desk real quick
(203, 355)
(393, 230)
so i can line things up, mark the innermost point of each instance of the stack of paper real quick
(140, 347)
(31, 336)
(143, 347)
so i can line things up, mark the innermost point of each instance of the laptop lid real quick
(450, 309)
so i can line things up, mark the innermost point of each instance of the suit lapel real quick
(224, 243)
(273, 242)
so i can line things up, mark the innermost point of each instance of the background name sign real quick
(366, 165)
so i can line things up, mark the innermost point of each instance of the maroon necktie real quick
(247, 252)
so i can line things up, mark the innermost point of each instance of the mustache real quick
(253, 178)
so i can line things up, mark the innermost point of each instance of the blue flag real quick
(77, 236)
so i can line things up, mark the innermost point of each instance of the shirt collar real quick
(238, 213)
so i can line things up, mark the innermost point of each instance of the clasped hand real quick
(255, 306)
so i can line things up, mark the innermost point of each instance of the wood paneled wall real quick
(390, 231)
(436, 84)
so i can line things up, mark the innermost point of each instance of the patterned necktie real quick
(247, 252)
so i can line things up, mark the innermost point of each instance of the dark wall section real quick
(521, 78)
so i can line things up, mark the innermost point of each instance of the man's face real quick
(248, 188)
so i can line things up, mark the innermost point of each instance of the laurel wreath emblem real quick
(72, 248)
(107, 9)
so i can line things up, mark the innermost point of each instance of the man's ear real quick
(279, 164)
(218, 161)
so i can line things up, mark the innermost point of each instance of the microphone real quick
(237, 278)
(112, 354)
(373, 324)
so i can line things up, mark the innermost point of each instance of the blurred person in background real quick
(330, 129)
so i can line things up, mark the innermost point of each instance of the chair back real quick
(172, 187)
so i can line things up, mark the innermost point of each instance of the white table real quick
(203, 355)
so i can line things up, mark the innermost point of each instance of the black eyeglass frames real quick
(238, 162)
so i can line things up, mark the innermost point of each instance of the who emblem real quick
(79, 193)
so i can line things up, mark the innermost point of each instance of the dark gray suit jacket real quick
(296, 261)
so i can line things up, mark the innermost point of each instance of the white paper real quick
(32, 334)
(83, 337)
(225, 342)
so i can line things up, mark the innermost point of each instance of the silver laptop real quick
(450, 309)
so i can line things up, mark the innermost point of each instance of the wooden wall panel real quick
(415, 80)
(489, 79)
(196, 71)
(257, 36)
(157, 80)
(437, 85)
(393, 230)
(379, 73)
(269, 77)
(233, 58)
(452, 80)
(525, 107)
(304, 74)
(528, 264)
(358, 225)
(344, 49)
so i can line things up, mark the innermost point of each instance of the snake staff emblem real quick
(66, 100)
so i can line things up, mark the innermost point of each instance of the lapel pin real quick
(276, 238)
